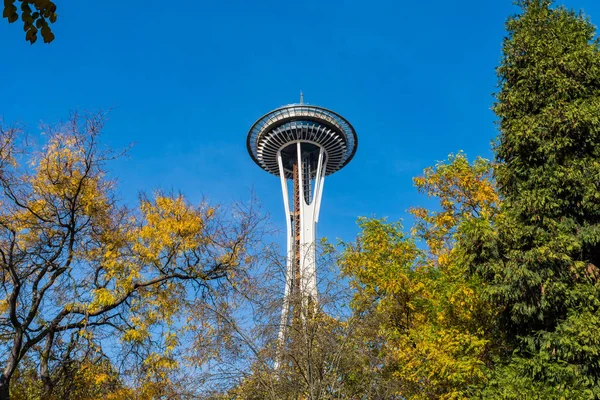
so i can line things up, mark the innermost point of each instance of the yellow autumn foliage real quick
(431, 320)
(83, 272)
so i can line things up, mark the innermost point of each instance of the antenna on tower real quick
(301, 97)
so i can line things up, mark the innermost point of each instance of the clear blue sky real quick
(188, 79)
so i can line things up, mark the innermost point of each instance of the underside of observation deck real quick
(280, 128)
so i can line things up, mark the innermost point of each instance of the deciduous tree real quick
(76, 266)
(428, 331)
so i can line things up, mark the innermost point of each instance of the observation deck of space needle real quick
(302, 143)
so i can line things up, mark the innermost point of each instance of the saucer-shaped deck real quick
(311, 126)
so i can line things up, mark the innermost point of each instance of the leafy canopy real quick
(81, 273)
(422, 311)
(540, 259)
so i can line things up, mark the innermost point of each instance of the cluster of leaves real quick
(428, 319)
(36, 16)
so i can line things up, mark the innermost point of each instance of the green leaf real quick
(31, 35)
(47, 34)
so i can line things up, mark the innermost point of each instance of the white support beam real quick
(307, 219)
(289, 270)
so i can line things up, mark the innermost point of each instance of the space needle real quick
(303, 144)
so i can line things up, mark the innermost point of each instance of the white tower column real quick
(309, 216)
(301, 243)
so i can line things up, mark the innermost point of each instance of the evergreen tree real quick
(540, 258)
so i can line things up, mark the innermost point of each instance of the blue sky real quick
(186, 81)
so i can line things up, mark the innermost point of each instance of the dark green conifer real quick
(541, 259)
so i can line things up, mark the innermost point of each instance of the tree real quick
(313, 359)
(427, 331)
(79, 271)
(539, 261)
(34, 19)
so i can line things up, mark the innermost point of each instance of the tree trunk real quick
(47, 390)
(4, 388)
(11, 365)
(44, 370)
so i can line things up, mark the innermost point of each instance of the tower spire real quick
(301, 97)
